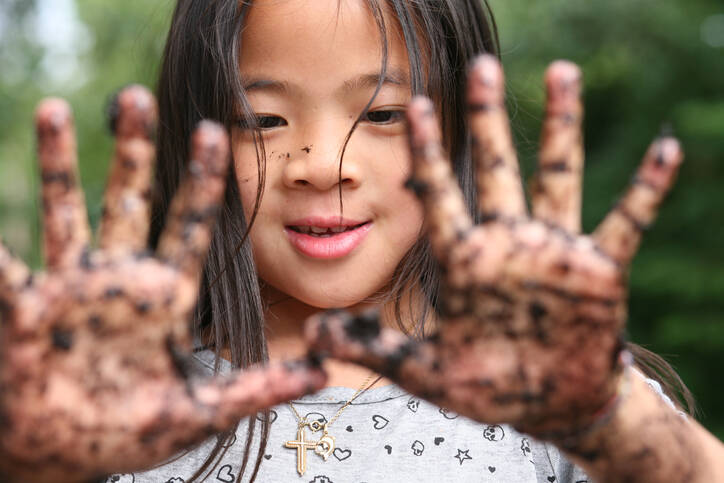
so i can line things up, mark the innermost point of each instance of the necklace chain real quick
(359, 392)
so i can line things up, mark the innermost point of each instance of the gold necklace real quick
(324, 446)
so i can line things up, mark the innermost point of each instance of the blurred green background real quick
(647, 64)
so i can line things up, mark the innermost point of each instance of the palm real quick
(94, 373)
(532, 312)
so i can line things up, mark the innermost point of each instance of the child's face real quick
(309, 68)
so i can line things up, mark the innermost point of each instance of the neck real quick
(284, 331)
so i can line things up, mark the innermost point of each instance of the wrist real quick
(601, 416)
(644, 439)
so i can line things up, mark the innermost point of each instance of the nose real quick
(315, 162)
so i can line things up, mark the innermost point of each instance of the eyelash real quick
(388, 116)
(264, 122)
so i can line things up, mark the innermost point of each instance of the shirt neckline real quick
(334, 395)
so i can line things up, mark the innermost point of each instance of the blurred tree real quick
(647, 64)
(97, 51)
(19, 56)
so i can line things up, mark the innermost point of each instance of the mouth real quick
(326, 238)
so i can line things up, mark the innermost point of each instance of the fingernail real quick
(486, 84)
(139, 110)
(52, 114)
(315, 359)
(669, 151)
(563, 77)
(363, 328)
(487, 71)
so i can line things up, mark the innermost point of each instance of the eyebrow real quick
(393, 77)
(370, 81)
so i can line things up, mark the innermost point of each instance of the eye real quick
(269, 122)
(263, 122)
(384, 116)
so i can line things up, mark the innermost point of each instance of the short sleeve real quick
(552, 466)
(656, 387)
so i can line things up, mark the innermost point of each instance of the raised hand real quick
(94, 370)
(533, 312)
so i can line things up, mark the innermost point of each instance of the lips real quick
(326, 237)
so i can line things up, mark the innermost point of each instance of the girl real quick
(522, 325)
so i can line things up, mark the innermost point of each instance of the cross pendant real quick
(302, 445)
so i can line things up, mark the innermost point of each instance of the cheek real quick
(412, 219)
(406, 211)
(247, 173)
(396, 172)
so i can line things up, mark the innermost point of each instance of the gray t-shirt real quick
(386, 434)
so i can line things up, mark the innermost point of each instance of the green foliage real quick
(645, 62)
(645, 65)
(124, 46)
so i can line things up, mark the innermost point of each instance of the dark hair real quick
(200, 79)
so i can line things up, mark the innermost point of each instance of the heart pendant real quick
(325, 446)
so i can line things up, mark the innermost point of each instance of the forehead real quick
(323, 38)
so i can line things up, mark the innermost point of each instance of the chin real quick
(324, 303)
(331, 299)
(323, 296)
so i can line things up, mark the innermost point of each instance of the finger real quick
(171, 415)
(433, 180)
(14, 276)
(126, 211)
(620, 232)
(66, 231)
(361, 340)
(556, 190)
(233, 397)
(500, 192)
(187, 234)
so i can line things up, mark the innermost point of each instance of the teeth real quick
(316, 230)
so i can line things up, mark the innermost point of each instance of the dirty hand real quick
(532, 311)
(94, 352)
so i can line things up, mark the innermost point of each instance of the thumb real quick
(360, 339)
(231, 397)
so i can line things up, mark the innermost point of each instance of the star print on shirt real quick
(462, 456)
